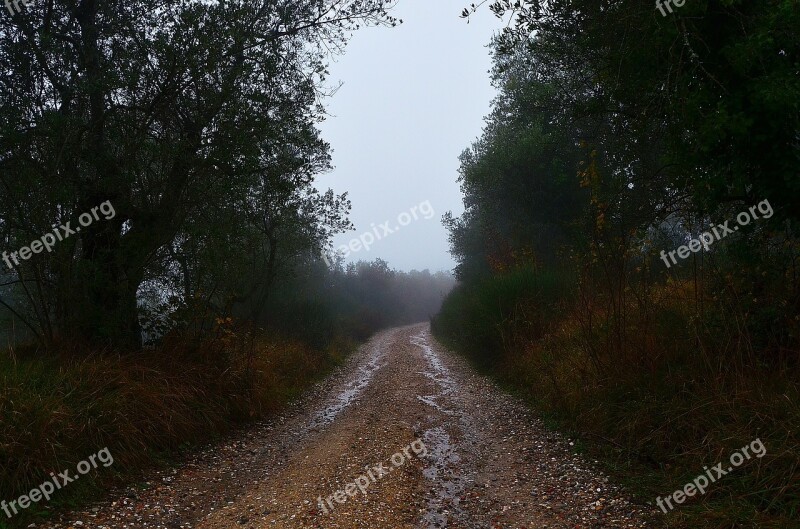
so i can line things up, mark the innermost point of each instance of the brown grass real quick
(58, 410)
(661, 381)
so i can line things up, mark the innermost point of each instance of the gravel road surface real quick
(404, 435)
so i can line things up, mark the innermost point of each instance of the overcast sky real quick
(414, 97)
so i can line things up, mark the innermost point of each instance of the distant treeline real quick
(628, 253)
(356, 299)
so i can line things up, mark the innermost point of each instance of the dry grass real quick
(659, 388)
(56, 411)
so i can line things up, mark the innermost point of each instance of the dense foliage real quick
(620, 133)
(162, 277)
(197, 122)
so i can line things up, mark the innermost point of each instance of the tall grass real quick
(650, 381)
(484, 320)
(57, 411)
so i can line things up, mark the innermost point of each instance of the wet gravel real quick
(490, 463)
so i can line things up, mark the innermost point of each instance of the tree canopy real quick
(196, 120)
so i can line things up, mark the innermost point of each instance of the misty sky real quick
(414, 97)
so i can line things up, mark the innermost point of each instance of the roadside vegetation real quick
(618, 134)
(199, 299)
(187, 388)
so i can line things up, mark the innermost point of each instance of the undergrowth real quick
(57, 409)
(654, 387)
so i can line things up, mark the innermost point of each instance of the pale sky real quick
(414, 97)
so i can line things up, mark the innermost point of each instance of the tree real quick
(165, 108)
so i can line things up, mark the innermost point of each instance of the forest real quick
(628, 256)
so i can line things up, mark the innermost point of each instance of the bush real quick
(659, 389)
(56, 412)
(482, 319)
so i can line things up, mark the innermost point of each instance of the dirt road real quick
(404, 435)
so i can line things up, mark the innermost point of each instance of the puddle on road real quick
(438, 372)
(430, 400)
(443, 500)
(442, 463)
(352, 389)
